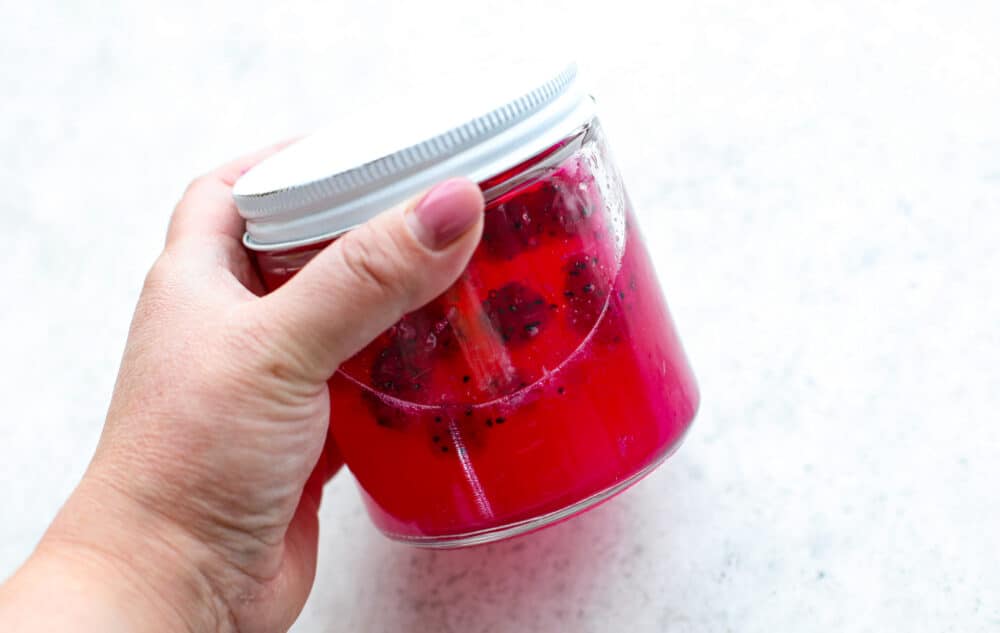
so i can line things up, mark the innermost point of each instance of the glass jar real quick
(548, 378)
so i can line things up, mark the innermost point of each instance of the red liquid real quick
(549, 373)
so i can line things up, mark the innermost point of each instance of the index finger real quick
(207, 208)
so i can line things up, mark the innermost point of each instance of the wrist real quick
(136, 567)
(74, 590)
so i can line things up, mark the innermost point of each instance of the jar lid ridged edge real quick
(275, 217)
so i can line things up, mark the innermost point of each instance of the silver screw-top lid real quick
(339, 177)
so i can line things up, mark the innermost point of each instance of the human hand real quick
(199, 509)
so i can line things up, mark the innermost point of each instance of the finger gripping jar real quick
(549, 377)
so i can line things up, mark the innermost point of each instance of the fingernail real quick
(447, 211)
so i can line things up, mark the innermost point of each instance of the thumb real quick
(365, 281)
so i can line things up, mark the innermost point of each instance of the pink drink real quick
(547, 378)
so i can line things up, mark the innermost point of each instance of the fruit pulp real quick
(550, 373)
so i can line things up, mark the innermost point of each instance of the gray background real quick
(819, 182)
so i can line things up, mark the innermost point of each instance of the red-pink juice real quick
(548, 377)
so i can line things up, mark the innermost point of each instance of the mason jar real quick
(549, 377)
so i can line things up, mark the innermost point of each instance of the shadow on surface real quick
(540, 581)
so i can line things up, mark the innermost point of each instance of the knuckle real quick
(158, 277)
(197, 191)
(162, 296)
(199, 183)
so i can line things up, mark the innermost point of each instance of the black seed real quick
(588, 288)
(383, 422)
(539, 301)
(621, 294)
(436, 439)
(437, 419)
(466, 378)
(553, 306)
(574, 272)
(617, 339)
(444, 449)
(580, 265)
(501, 420)
(531, 329)
(489, 422)
(561, 390)
(468, 412)
(568, 293)
(513, 308)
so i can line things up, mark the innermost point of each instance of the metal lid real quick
(345, 174)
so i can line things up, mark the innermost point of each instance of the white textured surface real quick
(820, 183)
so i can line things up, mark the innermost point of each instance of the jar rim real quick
(286, 206)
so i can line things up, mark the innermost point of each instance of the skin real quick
(199, 509)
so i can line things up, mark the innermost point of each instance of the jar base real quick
(490, 535)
